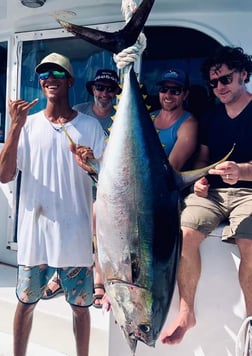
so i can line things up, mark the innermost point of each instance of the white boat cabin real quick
(179, 33)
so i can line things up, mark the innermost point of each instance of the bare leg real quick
(245, 272)
(188, 277)
(98, 281)
(99, 290)
(81, 328)
(22, 327)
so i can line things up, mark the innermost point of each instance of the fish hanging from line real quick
(116, 41)
(138, 220)
(138, 203)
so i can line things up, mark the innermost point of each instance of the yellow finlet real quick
(195, 171)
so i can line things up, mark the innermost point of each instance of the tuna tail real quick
(116, 41)
(184, 179)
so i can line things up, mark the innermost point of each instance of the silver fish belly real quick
(138, 221)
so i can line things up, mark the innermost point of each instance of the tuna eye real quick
(144, 328)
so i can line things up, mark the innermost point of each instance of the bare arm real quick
(82, 155)
(18, 110)
(202, 158)
(186, 143)
(201, 186)
(245, 171)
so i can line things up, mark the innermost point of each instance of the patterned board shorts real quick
(77, 283)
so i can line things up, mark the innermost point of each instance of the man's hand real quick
(201, 187)
(82, 155)
(228, 170)
(19, 109)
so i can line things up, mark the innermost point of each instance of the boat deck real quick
(220, 312)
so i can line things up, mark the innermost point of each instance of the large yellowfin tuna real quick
(138, 220)
(138, 226)
(138, 204)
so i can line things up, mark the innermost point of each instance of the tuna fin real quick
(184, 179)
(116, 41)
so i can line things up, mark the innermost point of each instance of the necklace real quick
(57, 125)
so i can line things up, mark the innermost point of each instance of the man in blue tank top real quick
(176, 127)
(227, 191)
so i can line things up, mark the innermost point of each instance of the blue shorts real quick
(77, 283)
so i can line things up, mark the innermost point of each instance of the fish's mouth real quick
(133, 338)
(143, 334)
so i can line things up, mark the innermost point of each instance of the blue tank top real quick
(168, 136)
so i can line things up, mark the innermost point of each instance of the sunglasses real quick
(108, 88)
(173, 90)
(54, 73)
(224, 80)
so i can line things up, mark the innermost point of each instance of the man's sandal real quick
(98, 297)
(50, 290)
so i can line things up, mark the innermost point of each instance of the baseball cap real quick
(57, 60)
(105, 76)
(176, 76)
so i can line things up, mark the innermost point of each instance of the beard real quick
(103, 105)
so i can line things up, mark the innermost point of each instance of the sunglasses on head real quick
(224, 80)
(54, 73)
(172, 90)
(108, 88)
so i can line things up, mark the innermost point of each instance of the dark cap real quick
(176, 76)
(105, 76)
(57, 60)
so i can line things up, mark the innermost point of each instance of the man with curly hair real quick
(226, 193)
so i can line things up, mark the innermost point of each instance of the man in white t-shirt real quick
(53, 149)
(104, 88)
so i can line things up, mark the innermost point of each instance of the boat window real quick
(3, 70)
(170, 46)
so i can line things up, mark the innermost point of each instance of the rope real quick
(128, 8)
(243, 348)
(130, 54)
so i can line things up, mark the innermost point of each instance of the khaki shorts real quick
(77, 283)
(231, 204)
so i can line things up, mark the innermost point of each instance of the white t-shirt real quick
(55, 209)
